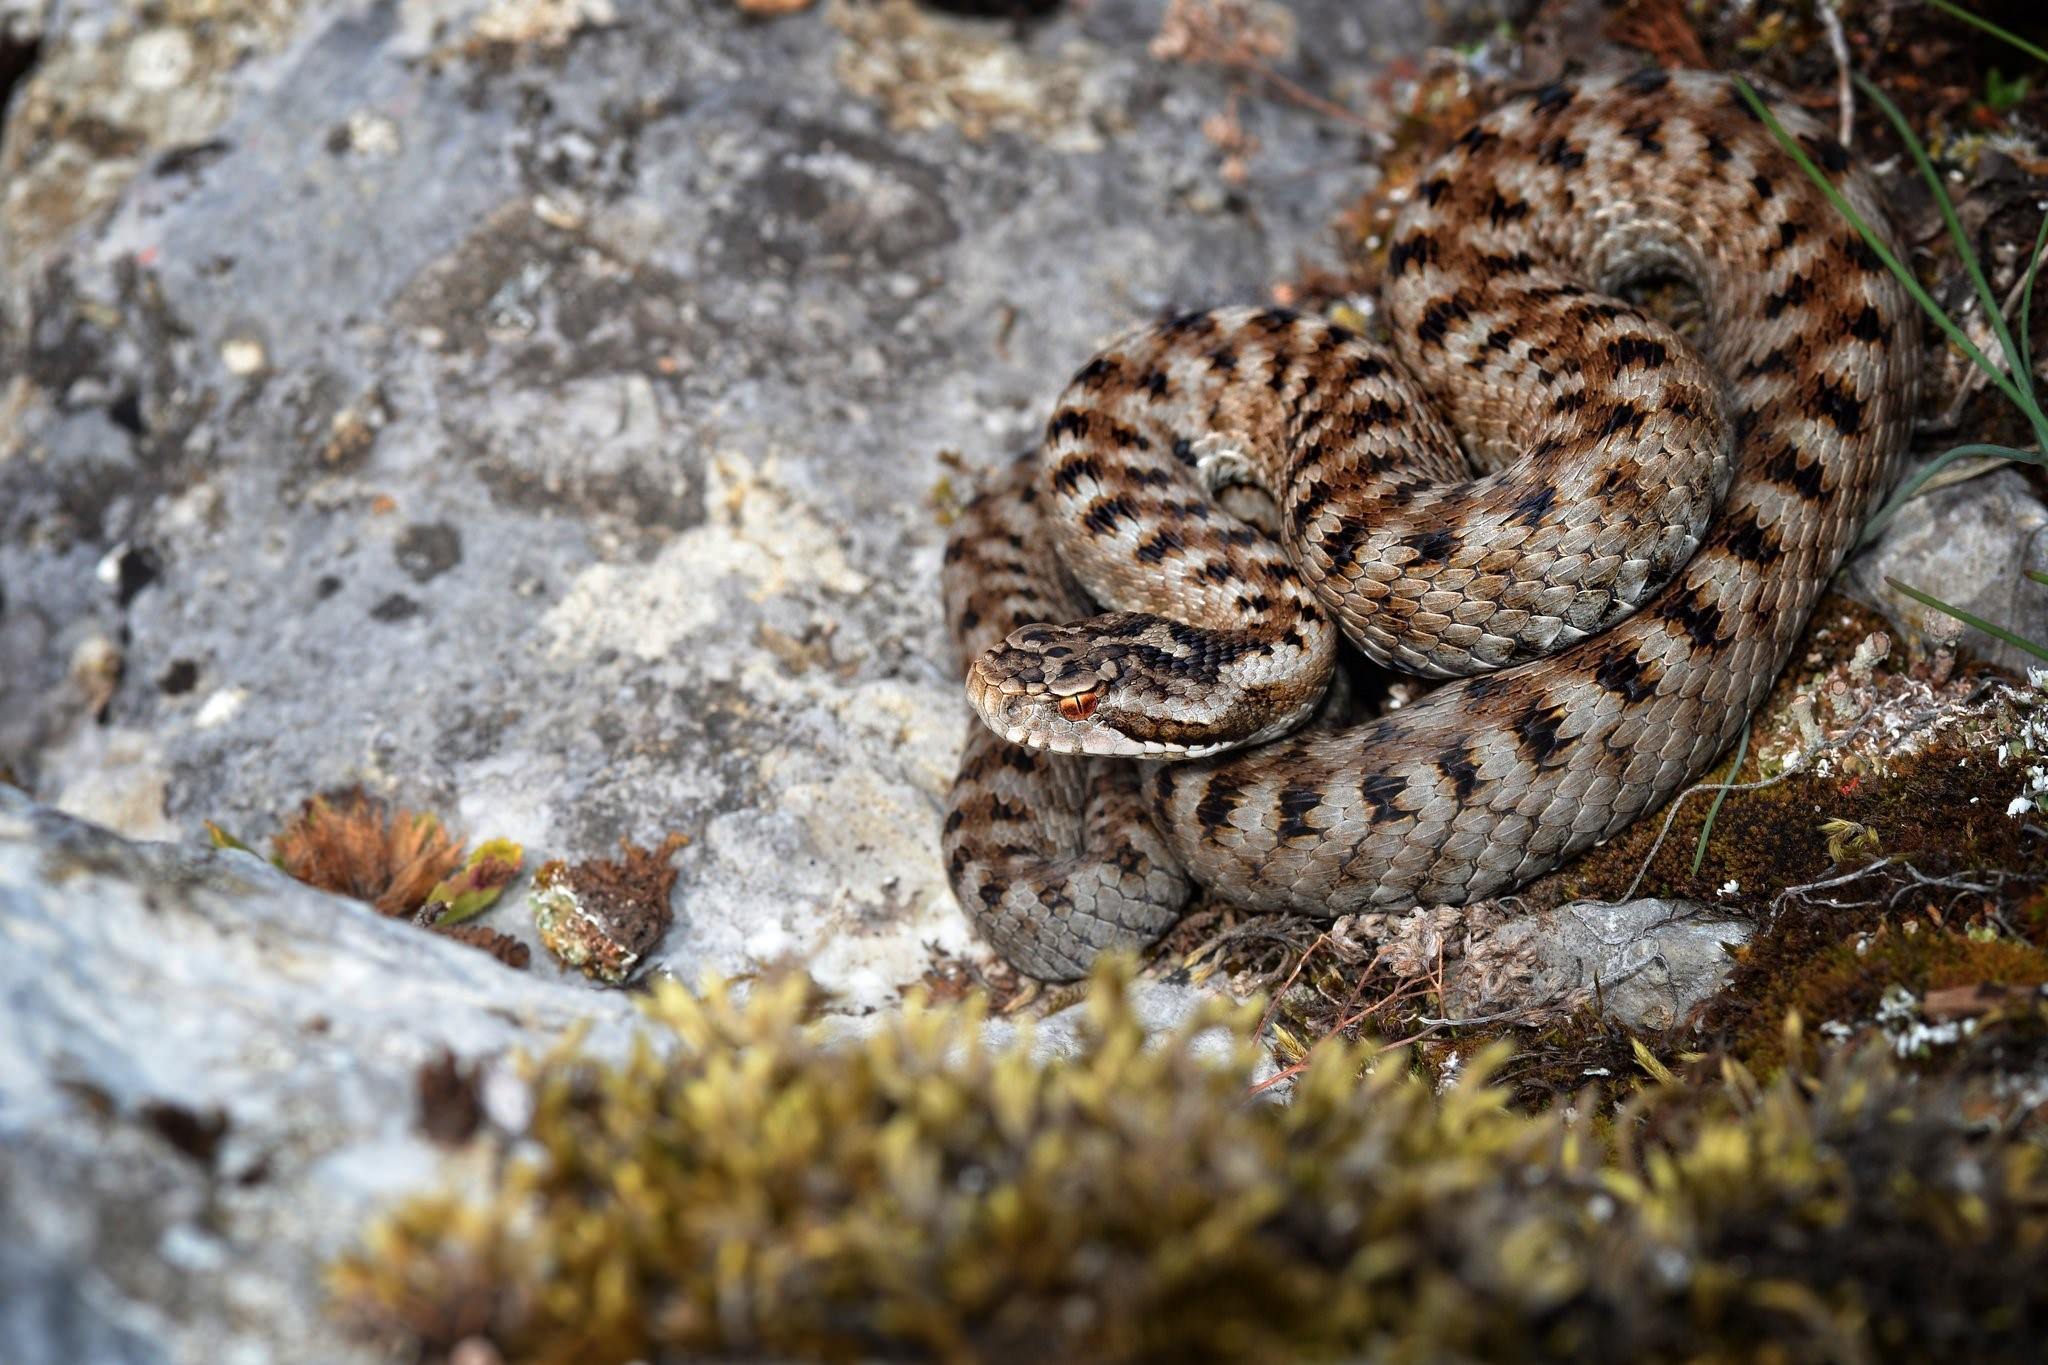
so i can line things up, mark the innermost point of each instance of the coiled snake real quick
(1616, 586)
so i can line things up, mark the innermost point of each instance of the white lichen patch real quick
(1899, 1017)
(112, 776)
(373, 134)
(544, 25)
(2027, 749)
(929, 72)
(220, 707)
(877, 833)
(159, 60)
(1857, 719)
(243, 356)
(757, 539)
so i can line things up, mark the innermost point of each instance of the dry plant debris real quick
(602, 917)
(355, 845)
(404, 863)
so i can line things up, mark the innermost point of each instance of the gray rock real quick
(1647, 963)
(1969, 545)
(207, 1079)
(533, 411)
(1159, 1006)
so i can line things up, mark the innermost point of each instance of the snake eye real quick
(1081, 705)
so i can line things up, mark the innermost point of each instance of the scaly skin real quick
(1632, 635)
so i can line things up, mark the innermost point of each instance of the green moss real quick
(743, 1188)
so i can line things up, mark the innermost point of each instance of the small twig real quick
(1415, 1037)
(1999, 877)
(1505, 1015)
(1920, 881)
(1343, 1025)
(1292, 976)
(1828, 883)
(1838, 43)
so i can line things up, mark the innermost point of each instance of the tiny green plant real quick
(2002, 95)
(1996, 632)
(1699, 852)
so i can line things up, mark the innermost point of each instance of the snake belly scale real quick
(1612, 557)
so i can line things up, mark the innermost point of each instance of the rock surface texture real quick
(531, 411)
(209, 1074)
(1645, 963)
(1967, 544)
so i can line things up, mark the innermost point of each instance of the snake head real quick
(1120, 685)
(1057, 688)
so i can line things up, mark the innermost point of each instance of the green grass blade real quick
(1699, 853)
(1958, 12)
(2025, 321)
(1884, 253)
(1994, 316)
(1977, 622)
(1911, 488)
(2036, 575)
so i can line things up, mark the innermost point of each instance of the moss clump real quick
(746, 1188)
(1854, 984)
(355, 845)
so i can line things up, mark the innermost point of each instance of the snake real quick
(1603, 538)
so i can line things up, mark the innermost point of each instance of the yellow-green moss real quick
(747, 1189)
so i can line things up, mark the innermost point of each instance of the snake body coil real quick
(1617, 582)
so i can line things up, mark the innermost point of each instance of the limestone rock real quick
(1645, 962)
(209, 1074)
(1969, 545)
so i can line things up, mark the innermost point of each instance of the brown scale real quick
(1571, 542)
